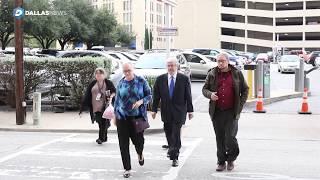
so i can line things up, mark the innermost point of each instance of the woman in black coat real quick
(97, 97)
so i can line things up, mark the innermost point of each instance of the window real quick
(290, 36)
(233, 3)
(260, 20)
(232, 32)
(289, 21)
(194, 58)
(181, 60)
(260, 35)
(232, 18)
(313, 4)
(315, 20)
(232, 46)
(313, 36)
(289, 6)
(258, 49)
(260, 6)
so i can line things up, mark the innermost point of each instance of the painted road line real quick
(174, 171)
(11, 156)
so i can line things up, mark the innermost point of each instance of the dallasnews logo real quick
(19, 13)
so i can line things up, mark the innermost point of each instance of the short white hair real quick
(224, 54)
(130, 64)
(172, 59)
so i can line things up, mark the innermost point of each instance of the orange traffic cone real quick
(305, 106)
(259, 105)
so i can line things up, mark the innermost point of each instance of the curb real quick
(113, 131)
(266, 101)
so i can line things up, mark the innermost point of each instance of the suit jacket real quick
(241, 90)
(175, 109)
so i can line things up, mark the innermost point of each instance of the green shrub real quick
(75, 74)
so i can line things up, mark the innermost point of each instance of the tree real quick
(122, 36)
(6, 22)
(150, 39)
(44, 28)
(101, 30)
(146, 39)
(79, 19)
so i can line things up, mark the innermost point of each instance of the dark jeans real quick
(126, 132)
(104, 124)
(173, 135)
(226, 129)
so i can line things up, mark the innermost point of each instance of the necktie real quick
(171, 87)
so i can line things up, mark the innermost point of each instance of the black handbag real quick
(140, 124)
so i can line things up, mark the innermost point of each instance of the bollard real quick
(259, 81)
(36, 108)
(250, 68)
(301, 76)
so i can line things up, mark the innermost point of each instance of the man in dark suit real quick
(173, 89)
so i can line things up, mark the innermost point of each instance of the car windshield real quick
(151, 61)
(290, 59)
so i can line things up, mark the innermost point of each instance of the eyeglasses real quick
(222, 61)
(127, 71)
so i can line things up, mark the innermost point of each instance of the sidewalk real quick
(68, 122)
(71, 122)
(202, 104)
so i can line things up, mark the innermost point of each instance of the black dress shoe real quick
(230, 166)
(99, 141)
(126, 174)
(141, 160)
(165, 147)
(221, 167)
(175, 163)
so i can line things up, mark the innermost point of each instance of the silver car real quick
(154, 64)
(200, 65)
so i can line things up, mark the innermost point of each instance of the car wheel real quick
(278, 70)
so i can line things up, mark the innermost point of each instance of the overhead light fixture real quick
(286, 34)
(287, 4)
(286, 19)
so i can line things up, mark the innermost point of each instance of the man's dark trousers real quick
(226, 129)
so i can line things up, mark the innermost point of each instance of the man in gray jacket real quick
(227, 90)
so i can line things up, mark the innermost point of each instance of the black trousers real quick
(226, 129)
(126, 132)
(104, 124)
(173, 135)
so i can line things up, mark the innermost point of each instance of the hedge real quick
(72, 73)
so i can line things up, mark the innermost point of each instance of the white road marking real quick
(174, 171)
(11, 156)
(254, 176)
(197, 99)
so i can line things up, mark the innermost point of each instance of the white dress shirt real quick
(174, 78)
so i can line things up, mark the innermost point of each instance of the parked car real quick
(119, 56)
(288, 63)
(216, 52)
(314, 58)
(130, 56)
(264, 57)
(212, 58)
(154, 64)
(200, 65)
(300, 53)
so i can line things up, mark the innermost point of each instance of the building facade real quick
(198, 23)
(259, 25)
(137, 15)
